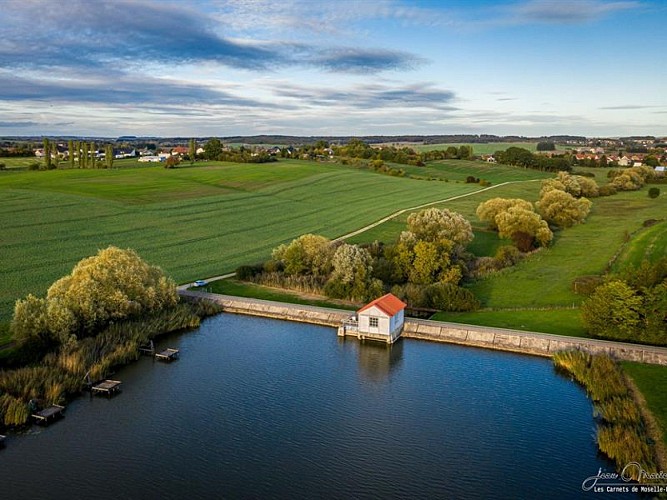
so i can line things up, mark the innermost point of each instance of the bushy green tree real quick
(212, 149)
(352, 275)
(30, 323)
(488, 210)
(562, 209)
(433, 224)
(307, 254)
(113, 285)
(525, 227)
(613, 311)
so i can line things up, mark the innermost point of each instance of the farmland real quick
(480, 148)
(206, 220)
(193, 221)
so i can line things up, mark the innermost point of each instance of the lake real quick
(259, 408)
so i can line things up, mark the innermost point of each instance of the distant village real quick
(622, 152)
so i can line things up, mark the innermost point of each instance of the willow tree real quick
(113, 285)
(489, 210)
(562, 209)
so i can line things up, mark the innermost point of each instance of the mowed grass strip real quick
(648, 243)
(556, 321)
(53, 219)
(651, 381)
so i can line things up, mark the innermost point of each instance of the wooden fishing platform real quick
(107, 387)
(48, 415)
(167, 355)
(147, 349)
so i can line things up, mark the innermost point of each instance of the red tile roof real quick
(389, 304)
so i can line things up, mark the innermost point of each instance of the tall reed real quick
(621, 434)
(61, 374)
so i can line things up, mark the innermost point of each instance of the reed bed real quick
(622, 432)
(61, 374)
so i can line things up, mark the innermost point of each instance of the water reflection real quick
(377, 360)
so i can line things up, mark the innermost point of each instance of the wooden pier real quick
(147, 349)
(107, 387)
(48, 415)
(167, 355)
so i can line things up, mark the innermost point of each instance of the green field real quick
(193, 221)
(479, 149)
(208, 219)
(649, 379)
(649, 243)
(544, 280)
(556, 321)
(18, 162)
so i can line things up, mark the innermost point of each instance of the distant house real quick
(180, 150)
(381, 319)
(661, 171)
(152, 159)
(624, 161)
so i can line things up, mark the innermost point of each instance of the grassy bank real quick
(556, 321)
(250, 290)
(651, 381)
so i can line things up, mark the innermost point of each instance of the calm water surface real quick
(258, 408)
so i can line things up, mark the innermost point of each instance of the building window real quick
(373, 322)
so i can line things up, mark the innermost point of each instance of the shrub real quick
(3, 166)
(507, 256)
(247, 273)
(33, 166)
(607, 190)
(172, 162)
(449, 297)
(654, 192)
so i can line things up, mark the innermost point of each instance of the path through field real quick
(385, 219)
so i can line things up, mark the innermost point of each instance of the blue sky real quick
(358, 67)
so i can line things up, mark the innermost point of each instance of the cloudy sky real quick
(309, 67)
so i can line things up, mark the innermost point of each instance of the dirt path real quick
(423, 205)
(382, 221)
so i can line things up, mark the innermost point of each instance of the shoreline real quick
(533, 343)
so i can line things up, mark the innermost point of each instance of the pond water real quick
(258, 408)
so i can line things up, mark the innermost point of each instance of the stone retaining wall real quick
(278, 310)
(540, 344)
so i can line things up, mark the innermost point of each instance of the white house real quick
(381, 320)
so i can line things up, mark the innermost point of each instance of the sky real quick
(202, 68)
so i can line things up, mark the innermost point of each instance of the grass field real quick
(649, 243)
(544, 280)
(556, 321)
(19, 163)
(649, 379)
(194, 222)
(479, 149)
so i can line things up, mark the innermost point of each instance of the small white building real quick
(381, 320)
